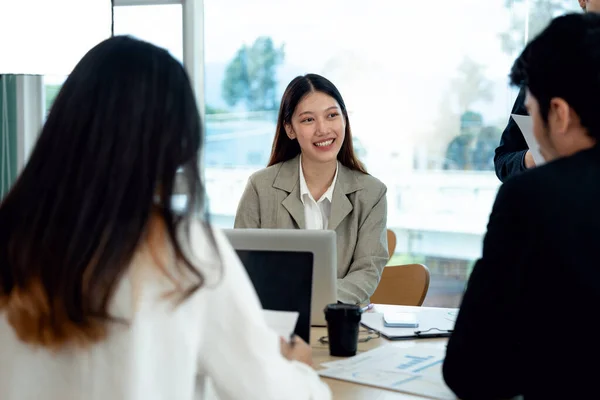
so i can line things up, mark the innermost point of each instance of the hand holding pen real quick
(296, 349)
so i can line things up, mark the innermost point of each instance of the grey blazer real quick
(358, 216)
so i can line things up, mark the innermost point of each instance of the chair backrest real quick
(404, 285)
(391, 239)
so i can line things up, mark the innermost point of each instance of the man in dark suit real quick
(512, 155)
(528, 320)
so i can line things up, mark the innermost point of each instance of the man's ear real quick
(582, 4)
(560, 116)
(290, 131)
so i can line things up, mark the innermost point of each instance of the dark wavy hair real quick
(122, 126)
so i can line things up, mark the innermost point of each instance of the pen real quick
(292, 341)
(367, 308)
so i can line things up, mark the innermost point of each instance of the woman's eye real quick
(307, 120)
(333, 115)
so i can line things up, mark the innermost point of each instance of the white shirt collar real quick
(304, 187)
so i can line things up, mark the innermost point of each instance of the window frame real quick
(30, 88)
(30, 115)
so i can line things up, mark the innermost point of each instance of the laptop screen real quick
(283, 282)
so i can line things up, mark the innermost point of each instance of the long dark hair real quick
(285, 148)
(122, 126)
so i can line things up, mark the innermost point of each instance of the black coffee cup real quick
(342, 328)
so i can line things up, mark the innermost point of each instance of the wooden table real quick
(351, 391)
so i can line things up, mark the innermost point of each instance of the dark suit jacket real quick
(529, 318)
(510, 154)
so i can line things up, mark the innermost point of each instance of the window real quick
(49, 37)
(426, 88)
(159, 24)
(8, 133)
(52, 85)
(425, 85)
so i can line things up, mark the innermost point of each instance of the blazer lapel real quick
(340, 208)
(340, 204)
(294, 206)
(288, 180)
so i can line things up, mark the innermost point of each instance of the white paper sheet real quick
(282, 322)
(410, 370)
(525, 124)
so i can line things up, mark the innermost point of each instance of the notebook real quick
(433, 322)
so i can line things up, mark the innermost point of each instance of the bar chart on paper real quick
(417, 371)
(429, 365)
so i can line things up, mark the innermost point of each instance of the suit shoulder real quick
(546, 178)
(266, 175)
(368, 189)
(370, 183)
(549, 181)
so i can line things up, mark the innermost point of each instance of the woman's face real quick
(319, 126)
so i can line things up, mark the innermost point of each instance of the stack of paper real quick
(410, 370)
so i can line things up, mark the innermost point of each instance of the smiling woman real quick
(304, 97)
(315, 181)
(319, 127)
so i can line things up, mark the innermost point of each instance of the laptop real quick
(286, 247)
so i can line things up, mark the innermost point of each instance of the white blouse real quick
(217, 339)
(316, 212)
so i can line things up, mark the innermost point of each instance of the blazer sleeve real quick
(248, 211)
(510, 153)
(240, 353)
(370, 256)
(481, 353)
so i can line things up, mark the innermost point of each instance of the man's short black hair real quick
(564, 61)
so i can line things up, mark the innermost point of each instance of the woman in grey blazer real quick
(313, 158)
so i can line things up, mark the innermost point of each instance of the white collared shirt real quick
(214, 345)
(316, 213)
